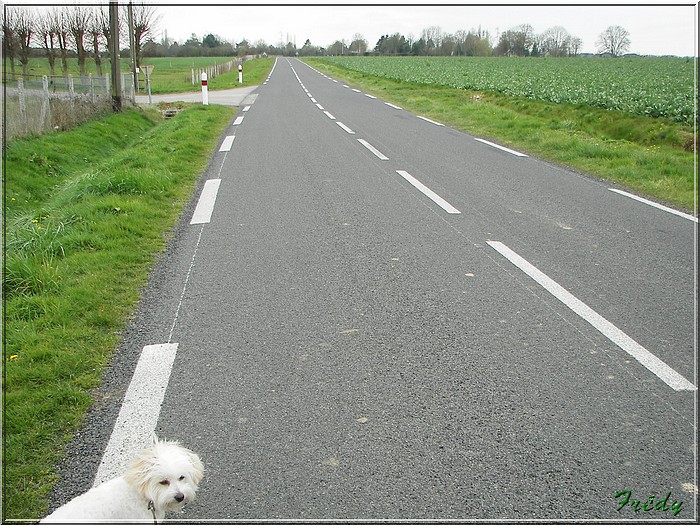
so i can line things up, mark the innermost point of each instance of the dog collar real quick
(152, 508)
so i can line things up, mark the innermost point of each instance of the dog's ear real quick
(138, 473)
(197, 467)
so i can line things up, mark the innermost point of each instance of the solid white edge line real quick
(205, 206)
(329, 115)
(184, 288)
(503, 148)
(428, 192)
(652, 363)
(431, 121)
(351, 132)
(374, 150)
(655, 205)
(140, 409)
(227, 143)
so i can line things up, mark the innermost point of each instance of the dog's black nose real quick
(179, 497)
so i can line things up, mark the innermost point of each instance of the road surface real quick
(222, 97)
(365, 314)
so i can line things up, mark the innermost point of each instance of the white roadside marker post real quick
(240, 73)
(205, 92)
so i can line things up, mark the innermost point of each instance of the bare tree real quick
(526, 38)
(25, 23)
(9, 38)
(358, 44)
(519, 41)
(61, 21)
(102, 21)
(575, 45)
(614, 40)
(555, 41)
(47, 33)
(78, 18)
(95, 32)
(145, 23)
(432, 36)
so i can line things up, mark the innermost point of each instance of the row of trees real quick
(212, 46)
(433, 41)
(556, 41)
(72, 31)
(83, 31)
(518, 41)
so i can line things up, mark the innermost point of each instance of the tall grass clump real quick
(87, 212)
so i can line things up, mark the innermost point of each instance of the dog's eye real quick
(181, 478)
(165, 482)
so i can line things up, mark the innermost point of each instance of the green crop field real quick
(654, 87)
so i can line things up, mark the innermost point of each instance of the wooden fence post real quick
(45, 104)
(22, 105)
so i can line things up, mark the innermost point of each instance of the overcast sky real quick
(654, 29)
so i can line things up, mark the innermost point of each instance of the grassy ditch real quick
(653, 157)
(87, 213)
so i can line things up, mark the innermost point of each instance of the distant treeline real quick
(83, 31)
(518, 41)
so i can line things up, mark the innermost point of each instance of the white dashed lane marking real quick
(655, 365)
(227, 143)
(428, 192)
(502, 148)
(374, 150)
(205, 206)
(140, 409)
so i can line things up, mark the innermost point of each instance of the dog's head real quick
(166, 474)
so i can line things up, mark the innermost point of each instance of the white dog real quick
(162, 478)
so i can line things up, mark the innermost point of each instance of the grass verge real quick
(175, 76)
(653, 157)
(82, 233)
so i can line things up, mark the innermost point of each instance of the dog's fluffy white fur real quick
(162, 478)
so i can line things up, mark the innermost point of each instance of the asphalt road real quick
(223, 97)
(347, 347)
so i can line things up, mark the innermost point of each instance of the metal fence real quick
(38, 104)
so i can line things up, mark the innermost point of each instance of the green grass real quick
(37, 171)
(651, 156)
(175, 75)
(82, 233)
(647, 86)
(171, 75)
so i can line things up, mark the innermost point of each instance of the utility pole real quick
(114, 47)
(130, 11)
